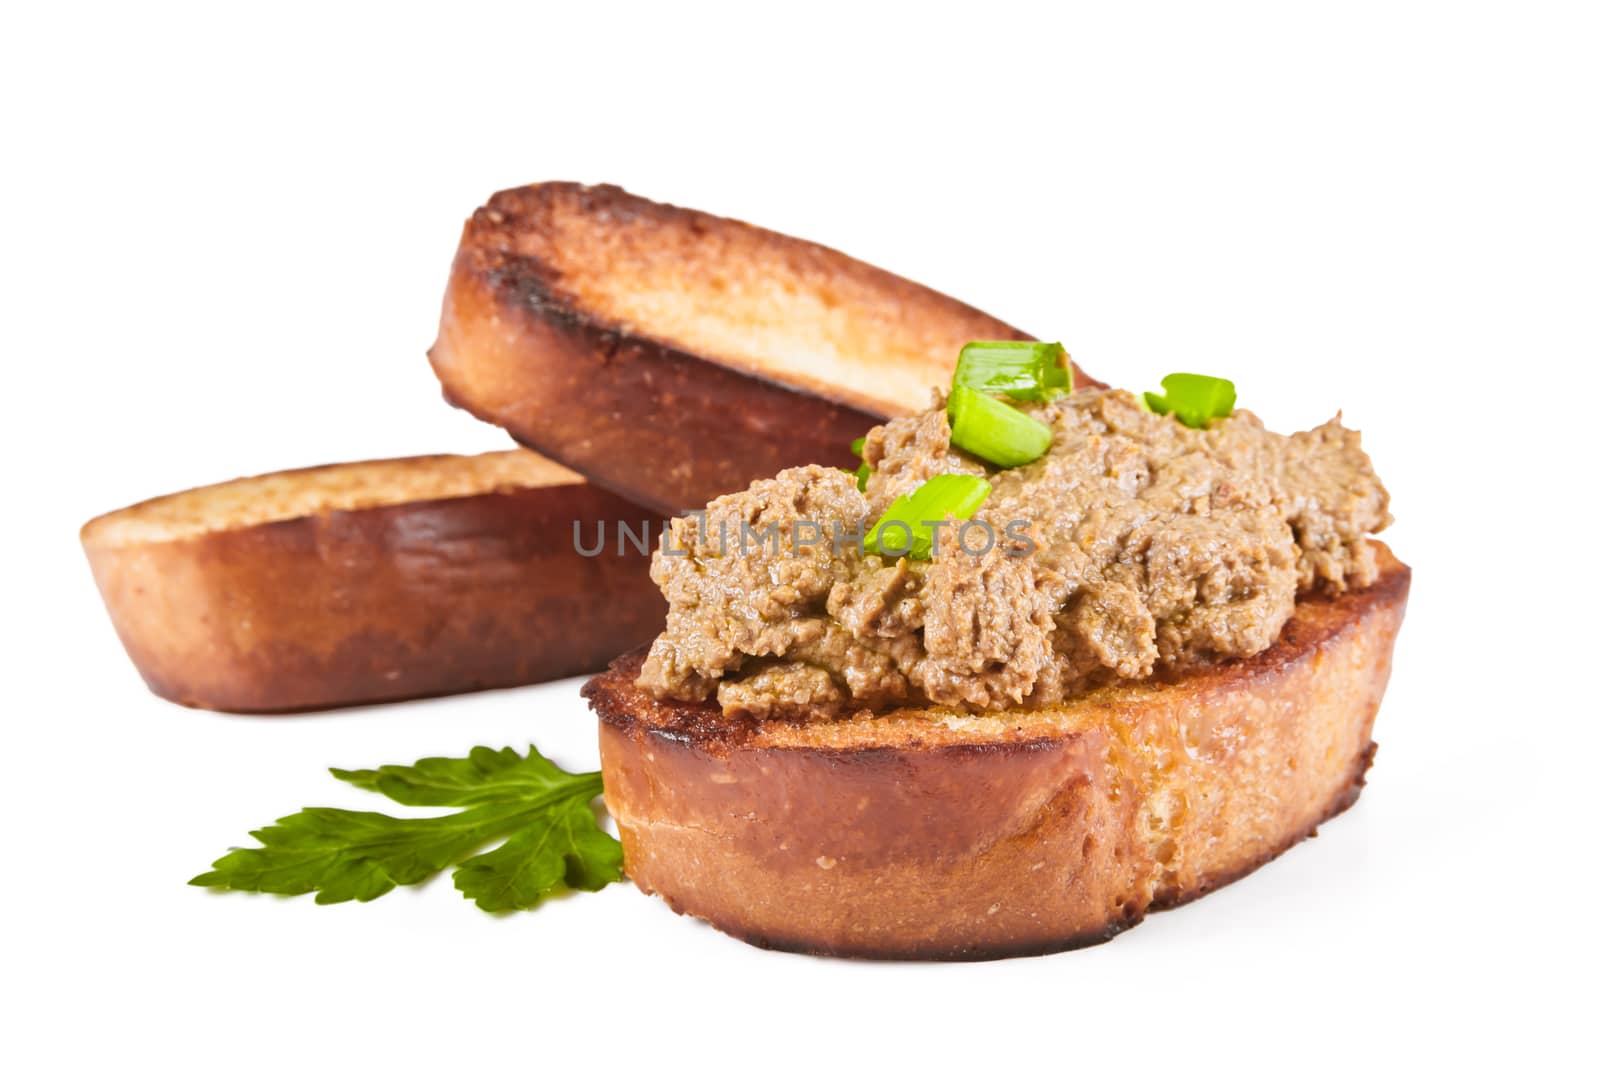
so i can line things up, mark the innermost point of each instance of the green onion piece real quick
(863, 471)
(905, 528)
(1021, 370)
(857, 446)
(994, 430)
(1195, 399)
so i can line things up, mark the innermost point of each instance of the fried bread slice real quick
(931, 834)
(365, 582)
(673, 356)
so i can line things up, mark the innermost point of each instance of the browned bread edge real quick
(640, 414)
(367, 605)
(928, 836)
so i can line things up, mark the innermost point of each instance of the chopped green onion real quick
(1195, 399)
(857, 446)
(994, 430)
(1021, 370)
(862, 472)
(906, 528)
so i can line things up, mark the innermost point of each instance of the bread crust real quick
(523, 344)
(925, 835)
(366, 605)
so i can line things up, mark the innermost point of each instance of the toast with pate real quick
(1137, 654)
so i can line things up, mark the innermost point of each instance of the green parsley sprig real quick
(543, 815)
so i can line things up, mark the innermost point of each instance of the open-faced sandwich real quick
(1049, 659)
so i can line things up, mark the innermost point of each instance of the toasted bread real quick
(367, 582)
(673, 356)
(927, 834)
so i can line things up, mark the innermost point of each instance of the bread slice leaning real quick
(673, 356)
(367, 582)
(925, 834)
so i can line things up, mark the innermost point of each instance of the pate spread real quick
(1135, 545)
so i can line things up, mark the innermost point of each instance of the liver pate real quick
(1134, 546)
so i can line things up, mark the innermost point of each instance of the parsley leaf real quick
(555, 850)
(553, 839)
(486, 775)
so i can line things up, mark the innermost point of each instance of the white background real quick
(225, 235)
